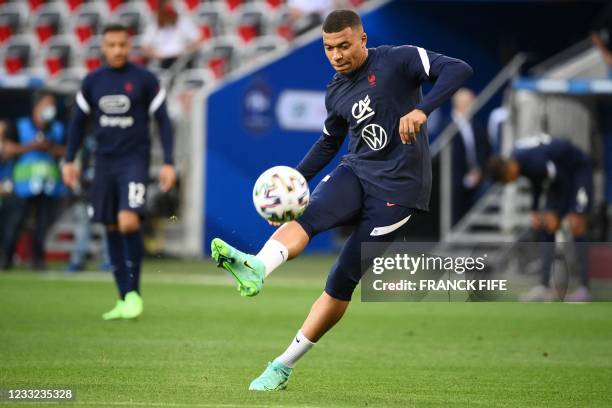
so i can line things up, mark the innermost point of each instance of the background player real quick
(121, 97)
(565, 173)
(383, 180)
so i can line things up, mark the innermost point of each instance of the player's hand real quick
(70, 175)
(167, 177)
(40, 145)
(410, 125)
(536, 220)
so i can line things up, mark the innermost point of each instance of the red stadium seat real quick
(49, 19)
(218, 66)
(93, 62)
(59, 53)
(233, 4)
(89, 20)
(275, 3)
(44, 32)
(84, 32)
(54, 64)
(35, 4)
(114, 4)
(247, 32)
(13, 64)
(191, 5)
(73, 5)
(13, 17)
(18, 53)
(5, 32)
(209, 18)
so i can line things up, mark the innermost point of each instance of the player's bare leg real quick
(325, 312)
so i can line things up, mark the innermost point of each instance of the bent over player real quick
(564, 174)
(375, 97)
(121, 97)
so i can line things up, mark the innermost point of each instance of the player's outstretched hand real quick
(70, 175)
(410, 125)
(167, 177)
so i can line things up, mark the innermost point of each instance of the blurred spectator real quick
(470, 152)
(8, 149)
(495, 125)
(36, 176)
(83, 226)
(563, 174)
(171, 37)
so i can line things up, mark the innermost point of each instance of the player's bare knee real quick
(128, 222)
(293, 236)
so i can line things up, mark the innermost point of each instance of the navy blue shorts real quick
(572, 194)
(339, 200)
(118, 184)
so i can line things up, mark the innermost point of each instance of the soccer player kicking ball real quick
(379, 185)
(121, 97)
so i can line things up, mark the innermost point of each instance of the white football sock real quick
(273, 254)
(298, 347)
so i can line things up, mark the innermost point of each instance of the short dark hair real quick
(114, 27)
(497, 168)
(338, 20)
(41, 94)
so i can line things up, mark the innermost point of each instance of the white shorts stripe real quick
(424, 59)
(157, 101)
(389, 228)
(82, 103)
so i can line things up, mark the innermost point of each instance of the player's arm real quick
(447, 74)
(324, 149)
(76, 132)
(157, 108)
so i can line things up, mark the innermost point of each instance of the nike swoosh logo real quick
(297, 340)
(390, 204)
(248, 266)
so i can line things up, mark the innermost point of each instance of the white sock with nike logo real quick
(298, 347)
(273, 254)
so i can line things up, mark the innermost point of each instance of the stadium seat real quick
(209, 18)
(35, 5)
(49, 20)
(12, 18)
(282, 25)
(250, 21)
(18, 53)
(134, 15)
(275, 3)
(113, 5)
(264, 45)
(89, 20)
(92, 57)
(221, 55)
(59, 53)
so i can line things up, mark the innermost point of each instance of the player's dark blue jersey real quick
(546, 161)
(368, 104)
(121, 101)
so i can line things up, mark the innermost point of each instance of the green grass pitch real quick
(199, 344)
